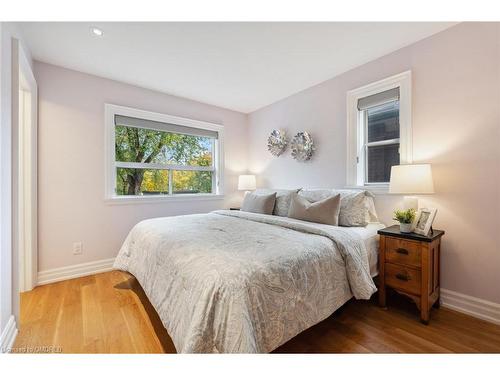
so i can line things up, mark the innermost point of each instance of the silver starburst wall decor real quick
(302, 146)
(277, 142)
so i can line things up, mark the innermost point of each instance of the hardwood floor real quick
(93, 314)
(109, 313)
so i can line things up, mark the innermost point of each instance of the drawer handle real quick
(402, 277)
(402, 251)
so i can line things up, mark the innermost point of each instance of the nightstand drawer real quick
(402, 252)
(403, 278)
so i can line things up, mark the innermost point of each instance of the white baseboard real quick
(8, 335)
(476, 307)
(77, 270)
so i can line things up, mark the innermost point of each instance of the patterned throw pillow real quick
(283, 199)
(353, 209)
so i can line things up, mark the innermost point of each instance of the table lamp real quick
(247, 182)
(411, 179)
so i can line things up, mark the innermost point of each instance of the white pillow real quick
(368, 201)
(372, 212)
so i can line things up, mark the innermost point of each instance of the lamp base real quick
(410, 202)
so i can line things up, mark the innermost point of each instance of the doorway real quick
(24, 187)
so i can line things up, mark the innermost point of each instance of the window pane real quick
(380, 160)
(131, 181)
(153, 146)
(383, 122)
(192, 182)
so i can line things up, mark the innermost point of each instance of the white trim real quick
(378, 189)
(27, 135)
(24, 174)
(109, 159)
(355, 170)
(140, 199)
(78, 270)
(8, 335)
(24, 171)
(479, 308)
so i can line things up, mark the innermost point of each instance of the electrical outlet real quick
(77, 248)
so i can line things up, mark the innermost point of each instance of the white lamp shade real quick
(246, 182)
(411, 179)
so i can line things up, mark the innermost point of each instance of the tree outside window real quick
(167, 163)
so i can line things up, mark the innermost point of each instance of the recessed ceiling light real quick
(96, 31)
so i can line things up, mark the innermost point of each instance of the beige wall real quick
(71, 163)
(456, 127)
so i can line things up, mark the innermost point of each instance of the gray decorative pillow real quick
(325, 211)
(283, 199)
(259, 204)
(355, 207)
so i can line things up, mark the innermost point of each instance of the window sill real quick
(375, 189)
(162, 199)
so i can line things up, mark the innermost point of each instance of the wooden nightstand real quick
(409, 263)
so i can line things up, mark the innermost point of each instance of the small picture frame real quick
(423, 221)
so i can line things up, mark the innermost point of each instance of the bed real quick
(240, 282)
(370, 238)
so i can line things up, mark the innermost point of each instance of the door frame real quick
(24, 159)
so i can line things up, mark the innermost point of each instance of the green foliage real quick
(155, 180)
(404, 216)
(194, 181)
(151, 146)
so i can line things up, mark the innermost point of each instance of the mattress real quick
(371, 240)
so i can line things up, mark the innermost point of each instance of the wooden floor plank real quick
(110, 313)
(93, 326)
(116, 337)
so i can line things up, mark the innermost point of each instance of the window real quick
(380, 122)
(151, 155)
(379, 131)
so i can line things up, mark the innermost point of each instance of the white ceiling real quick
(240, 66)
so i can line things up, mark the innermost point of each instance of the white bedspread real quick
(237, 282)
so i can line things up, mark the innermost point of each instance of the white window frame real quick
(356, 146)
(110, 110)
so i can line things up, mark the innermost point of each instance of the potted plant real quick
(405, 219)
